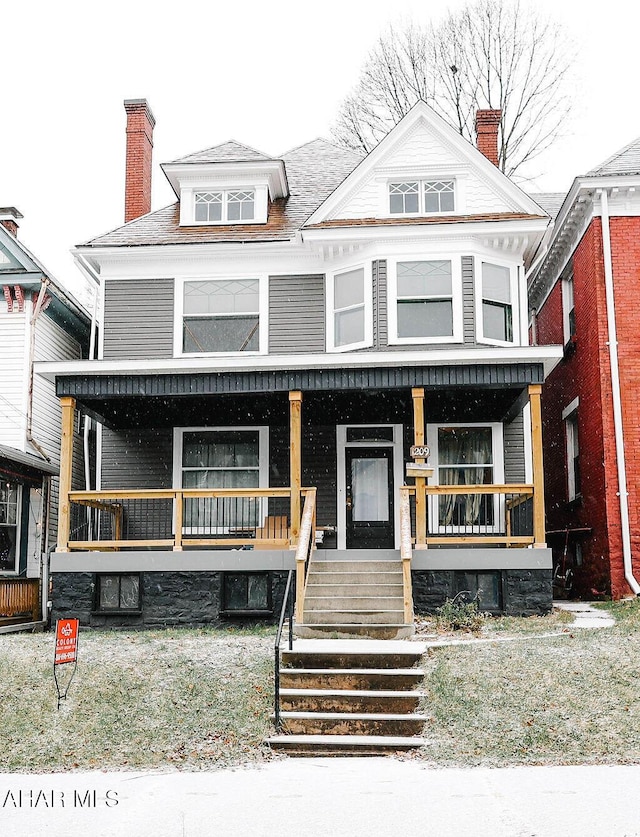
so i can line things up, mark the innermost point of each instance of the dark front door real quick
(369, 481)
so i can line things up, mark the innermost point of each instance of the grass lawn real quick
(192, 699)
(201, 699)
(571, 699)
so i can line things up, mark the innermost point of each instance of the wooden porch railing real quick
(19, 597)
(405, 553)
(177, 518)
(306, 545)
(473, 514)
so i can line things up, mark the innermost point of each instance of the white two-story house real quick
(40, 320)
(319, 331)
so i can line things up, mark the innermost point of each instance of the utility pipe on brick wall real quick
(617, 401)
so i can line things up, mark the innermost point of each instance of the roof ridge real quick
(616, 155)
(328, 142)
(221, 145)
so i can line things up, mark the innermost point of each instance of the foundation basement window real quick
(246, 594)
(118, 593)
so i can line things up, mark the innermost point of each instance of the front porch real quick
(334, 481)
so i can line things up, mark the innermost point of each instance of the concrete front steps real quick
(347, 598)
(350, 697)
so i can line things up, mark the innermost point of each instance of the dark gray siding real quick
(138, 318)
(514, 470)
(468, 305)
(380, 329)
(296, 314)
(137, 459)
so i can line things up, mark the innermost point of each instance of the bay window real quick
(496, 310)
(425, 302)
(349, 322)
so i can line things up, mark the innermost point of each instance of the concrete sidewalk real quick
(354, 797)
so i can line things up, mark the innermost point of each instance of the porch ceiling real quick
(462, 404)
(123, 399)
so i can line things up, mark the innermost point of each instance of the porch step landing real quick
(361, 598)
(350, 698)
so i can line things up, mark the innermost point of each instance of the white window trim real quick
(392, 297)
(263, 313)
(421, 213)
(341, 486)
(263, 456)
(16, 564)
(368, 308)
(497, 443)
(188, 204)
(515, 301)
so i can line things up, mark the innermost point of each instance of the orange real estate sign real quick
(66, 641)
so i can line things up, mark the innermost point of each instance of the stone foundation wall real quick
(523, 592)
(168, 599)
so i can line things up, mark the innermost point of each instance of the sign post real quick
(66, 651)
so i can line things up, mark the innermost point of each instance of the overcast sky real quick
(268, 74)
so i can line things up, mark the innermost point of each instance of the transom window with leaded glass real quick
(225, 206)
(424, 300)
(9, 519)
(421, 197)
(221, 315)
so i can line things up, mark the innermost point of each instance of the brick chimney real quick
(137, 190)
(487, 124)
(9, 216)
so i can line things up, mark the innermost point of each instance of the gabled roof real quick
(624, 161)
(226, 152)
(313, 172)
(26, 270)
(421, 114)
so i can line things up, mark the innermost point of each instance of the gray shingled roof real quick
(549, 201)
(226, 152)
(624, 161)
(314, 170)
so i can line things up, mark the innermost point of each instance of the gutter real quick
(623, 494)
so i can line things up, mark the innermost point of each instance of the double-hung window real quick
(225, 206)
(221, 315)
(568, 309)
(425, 301)
(570, 417)
(496, 314)
(421, 197)
(10, 493)
(349, 320)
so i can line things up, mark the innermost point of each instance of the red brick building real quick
(585, 294)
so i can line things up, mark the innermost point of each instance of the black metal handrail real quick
(287, 605)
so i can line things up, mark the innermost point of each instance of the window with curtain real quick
(465, 457)
(221, 316)
(9, 519)
(221, 459)
(573, 456)
(424, 299)
(497, 305)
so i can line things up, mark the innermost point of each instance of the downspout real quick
(87, 420)
(617, 403)
(37, 308)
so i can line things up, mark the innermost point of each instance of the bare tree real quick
(491, 54)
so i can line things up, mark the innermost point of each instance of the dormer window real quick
(421, 197)
(222, 207)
